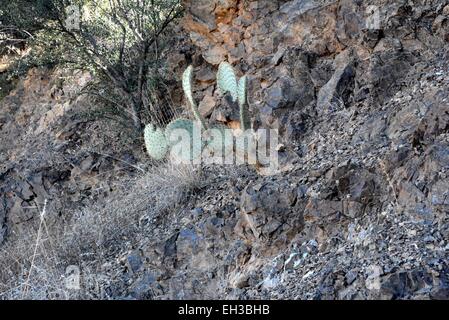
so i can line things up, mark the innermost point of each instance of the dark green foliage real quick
(122, 43)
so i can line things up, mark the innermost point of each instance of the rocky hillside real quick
(359, 91)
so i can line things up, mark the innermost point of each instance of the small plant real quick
(158, 141)
(227, 82)
(178, 124)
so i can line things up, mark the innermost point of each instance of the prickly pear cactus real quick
(227, 81)
(155, 142)
(218, 140)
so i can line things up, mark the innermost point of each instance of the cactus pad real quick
(155, 142)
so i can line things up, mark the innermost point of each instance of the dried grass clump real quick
(34, 265)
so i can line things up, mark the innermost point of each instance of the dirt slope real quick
(360, 210)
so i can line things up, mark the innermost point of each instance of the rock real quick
(87, 163)
(36, 181)
(134, 262)
(51, 116)
(3, 230)
(294, 87)
(268, 213)
(239, 281)
(26, 191)
(206, 75)
(354, 184)
(403, 284)
(302, 191)
(203, 11)
(19, 214)
(440, 193)
(145, 287)
(440, 288)
(337, 92)
(295, 126)
(351, 276)
(215, 55)
(207, 105)
(440, 26)
(385, 71)
(372, 281)
(197, 212)
(318, 210)
(190, 244)
(226, 111)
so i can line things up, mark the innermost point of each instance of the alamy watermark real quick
(225, 146)
(72, 278)
(73, 17)
(372, 18)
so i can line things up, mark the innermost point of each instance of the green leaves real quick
(179, 124)
(179, 133)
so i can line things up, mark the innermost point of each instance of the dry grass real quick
(29, 267)
(34, 266)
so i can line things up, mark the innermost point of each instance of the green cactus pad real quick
(187, 84)
(187, 79)
(227, 81)
(155, 142)
(241, 90)
(245, 122)
(180, 123)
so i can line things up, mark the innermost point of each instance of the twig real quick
(112, 157)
